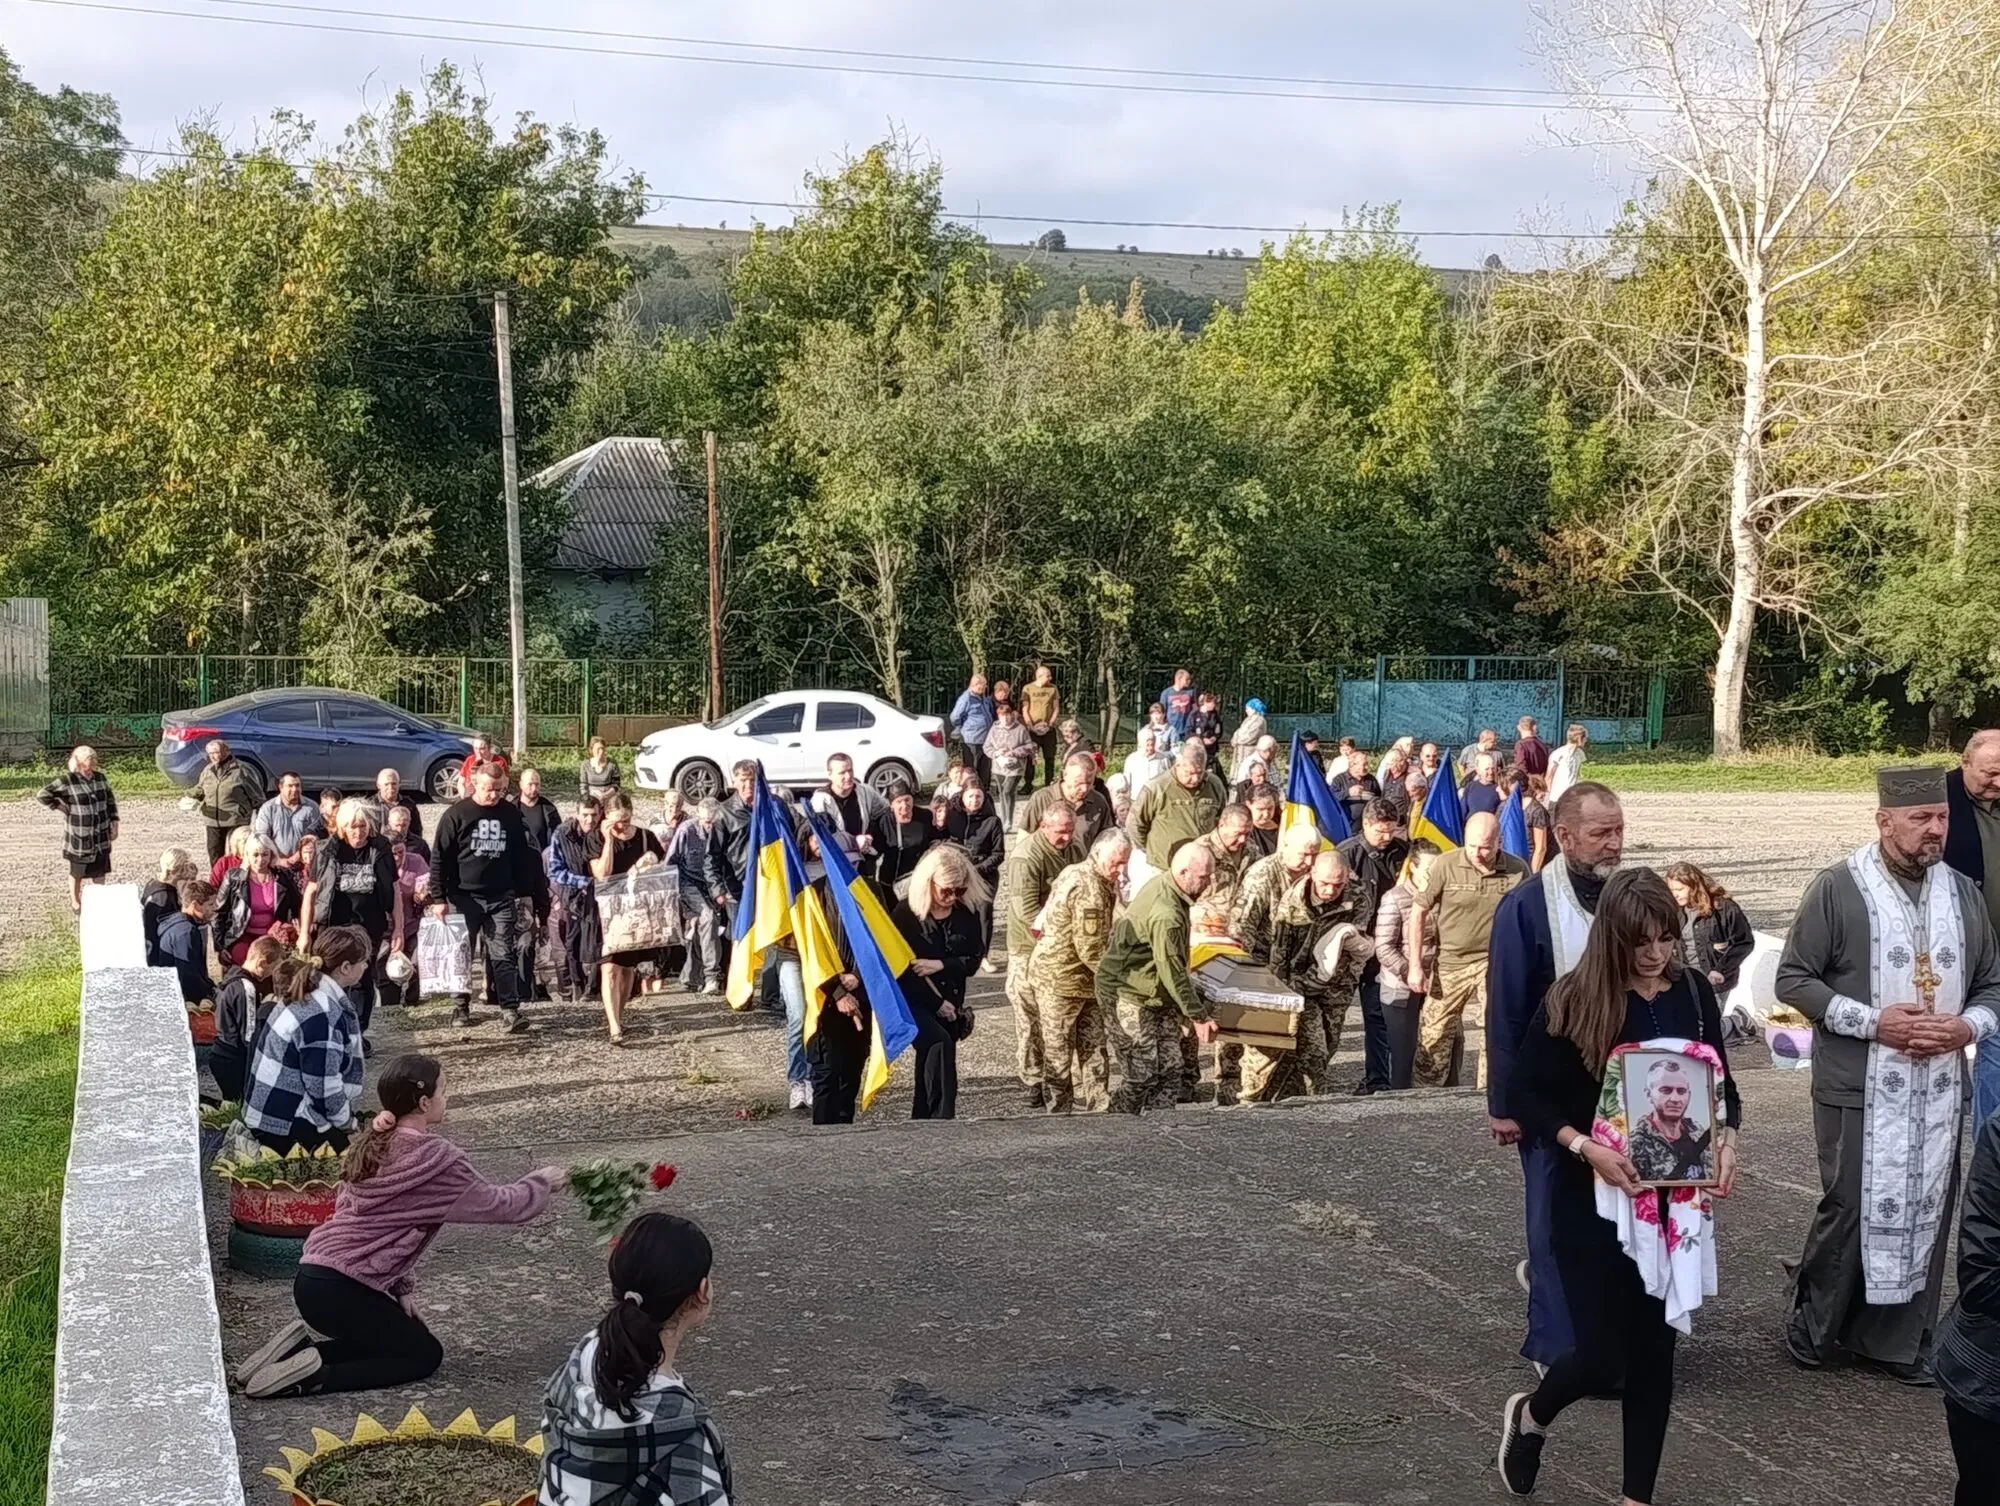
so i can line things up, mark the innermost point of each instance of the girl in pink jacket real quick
(358, 1327)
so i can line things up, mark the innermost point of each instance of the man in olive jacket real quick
(1183, 806)
(1038, 860)
(1145, 982)
(227, 794)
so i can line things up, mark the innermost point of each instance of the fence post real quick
(587, 699)
(201, 679)
(1562, 705)
(465, 692)
(1381, 683)
(1656, 708)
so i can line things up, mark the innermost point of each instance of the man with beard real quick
(1538, 935)
(1892, 957)
(1667, 1146)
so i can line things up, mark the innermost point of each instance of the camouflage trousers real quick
(1148, 1041)
(1308, 1067)
(1459, 993)
(1028, 1049)
(1076, 1050)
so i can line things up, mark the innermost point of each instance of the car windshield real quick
(742, 711)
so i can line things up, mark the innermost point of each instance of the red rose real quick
(662, 1176)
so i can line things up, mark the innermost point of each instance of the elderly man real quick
(402, 828)
(701, 905)
(1353, 786)
(286, 820)
(1178, 808)
(1394, 778)
(1038, 860)
(1144, 981)
(1429, 761)
(1972, 846)
(386, 796)
(1458, 898)
(1301, 946)
(1538, 934)
(1468, 756)
(971, 719)
(1892, 957)
(1229, 847)
(1147, 761)
(227, 794)
(1062, 973)
(1481, 794)
(1263, 757)
(1078, 790)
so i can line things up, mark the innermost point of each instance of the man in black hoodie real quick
(484, 864)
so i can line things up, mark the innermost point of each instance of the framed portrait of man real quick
(1670, 1118)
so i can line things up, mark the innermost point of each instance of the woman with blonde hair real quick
(162, 896)
(940, 918)
(353, 883)
(233, 848)
(1566, 763)
(254, 896)
(90, 820)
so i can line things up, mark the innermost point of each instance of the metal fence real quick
(118, 700)
(24, 667)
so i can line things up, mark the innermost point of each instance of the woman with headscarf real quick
(1243, 741)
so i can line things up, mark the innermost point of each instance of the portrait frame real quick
(1656, 1084)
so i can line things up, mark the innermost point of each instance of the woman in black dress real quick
(353, 883)
(1628, 986)
(902, 834)
(941, 921)
(626, 845)
(972, 824)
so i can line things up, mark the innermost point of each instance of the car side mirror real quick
(741, 730)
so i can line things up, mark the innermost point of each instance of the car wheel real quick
(697, 781)
(442, 781)
(889, 773)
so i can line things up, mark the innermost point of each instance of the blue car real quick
(328, 738)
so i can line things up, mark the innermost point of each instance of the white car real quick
(794, 735)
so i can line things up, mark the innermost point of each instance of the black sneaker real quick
(1520, 1450)
(461, 1015)
(1362, 1090)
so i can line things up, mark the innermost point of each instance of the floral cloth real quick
(1669, 1232)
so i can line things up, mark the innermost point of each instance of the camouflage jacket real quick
(1299, 923)
(1220, 895)
(1031, 873)
(1075, 933)
(1264, 884)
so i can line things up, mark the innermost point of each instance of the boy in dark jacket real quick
(183, 943)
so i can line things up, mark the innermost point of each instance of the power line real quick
(599, 50)
(949, 59)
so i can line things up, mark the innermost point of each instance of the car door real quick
(288, 738)
(363, 739)
(777, 736)
(842, 726)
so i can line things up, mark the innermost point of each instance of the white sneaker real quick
(801, 1096)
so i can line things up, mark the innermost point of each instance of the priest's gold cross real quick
(1927, 982)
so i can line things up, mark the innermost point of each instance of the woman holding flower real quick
(358, 1327)
(1629, 986)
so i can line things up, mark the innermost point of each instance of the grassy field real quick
(38, 1019)
(1696, 773)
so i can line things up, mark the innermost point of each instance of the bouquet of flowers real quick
(609, 1190)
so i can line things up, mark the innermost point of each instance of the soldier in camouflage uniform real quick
(1144, 980)
(1062, 977)
(1263, 884)
(1031, 872)
(1229, 847)
(1310, 910)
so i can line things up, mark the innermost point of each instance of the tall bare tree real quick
(1800, 359)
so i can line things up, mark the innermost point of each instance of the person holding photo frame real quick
(1628, 987)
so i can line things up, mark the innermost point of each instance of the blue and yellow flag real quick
(1442, 818)
(881, 956)
(1309, 800)
(1514, 836)
(773, 877)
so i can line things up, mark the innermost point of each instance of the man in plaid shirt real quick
(305, 1073)
(90, 820)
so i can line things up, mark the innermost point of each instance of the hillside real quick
(685, 286)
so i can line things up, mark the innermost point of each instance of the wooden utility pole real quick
(517, 631)
(715, 706)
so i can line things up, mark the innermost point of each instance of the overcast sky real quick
(1058, 155)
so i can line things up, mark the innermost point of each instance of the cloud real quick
(751, 132)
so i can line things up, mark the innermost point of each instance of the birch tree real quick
(1804, 369)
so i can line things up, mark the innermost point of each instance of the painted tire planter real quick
(273, 1256)
(467, 1454)
(283, 1212)
(201, 1025)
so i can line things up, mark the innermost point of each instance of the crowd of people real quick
(1105, 899)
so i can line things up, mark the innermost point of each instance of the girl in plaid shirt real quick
(620, 1427)
(90, 821)
(306, 1066)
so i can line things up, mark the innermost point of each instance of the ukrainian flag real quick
(1514, 836)
(773, 879)
(881, 956)
(1442, 818)
(1308, 799)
